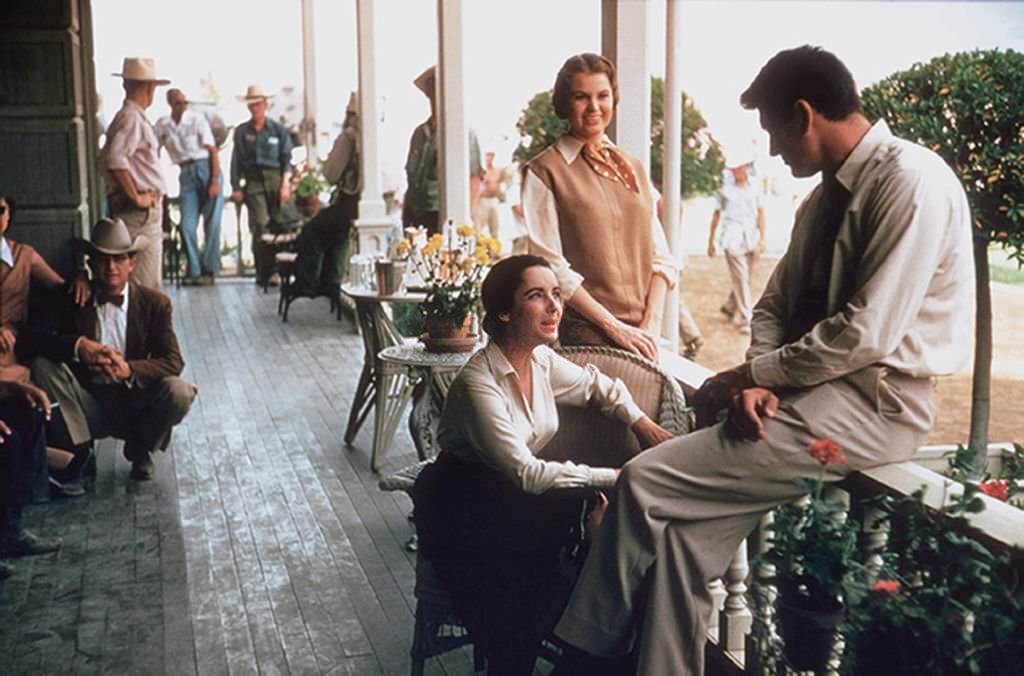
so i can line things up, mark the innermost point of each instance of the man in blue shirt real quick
(260, 168)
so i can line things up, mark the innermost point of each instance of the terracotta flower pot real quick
(447, 334)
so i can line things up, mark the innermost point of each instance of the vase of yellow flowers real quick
(452, 266)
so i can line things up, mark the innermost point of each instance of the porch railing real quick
(742, 592)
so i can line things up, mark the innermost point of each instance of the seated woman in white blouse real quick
(485, 513)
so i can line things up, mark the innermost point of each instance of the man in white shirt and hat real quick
(135, 185)
(260, 171)
(188, 139)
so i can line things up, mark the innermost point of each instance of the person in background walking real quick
(737, 226)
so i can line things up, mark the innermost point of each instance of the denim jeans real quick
(194, 199)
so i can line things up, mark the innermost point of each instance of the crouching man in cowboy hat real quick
(135, 184)
(114, 364)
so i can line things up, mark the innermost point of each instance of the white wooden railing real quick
(742, 594)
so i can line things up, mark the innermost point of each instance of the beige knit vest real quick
(605, 230)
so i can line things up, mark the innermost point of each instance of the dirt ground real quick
(706, 286)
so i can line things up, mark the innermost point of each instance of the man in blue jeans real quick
(188, 139)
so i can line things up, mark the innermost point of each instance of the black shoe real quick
(66, 489)
(6, 570)
(27, 543)
(143, 470)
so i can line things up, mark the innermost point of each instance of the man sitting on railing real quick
(872, 300)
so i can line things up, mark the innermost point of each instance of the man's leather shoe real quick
(27, 543)
(66, 489)
(143, 470)
(6, 570)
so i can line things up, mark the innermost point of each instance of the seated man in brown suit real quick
(113, 365)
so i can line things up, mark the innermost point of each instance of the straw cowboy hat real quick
(110, 236)
(425, 81)
(140, 69)
(254, 93)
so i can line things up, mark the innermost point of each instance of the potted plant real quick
(943, 603)
(452, 267)
(813, 548)
(308, 183)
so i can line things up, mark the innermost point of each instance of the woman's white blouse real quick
(486, 418)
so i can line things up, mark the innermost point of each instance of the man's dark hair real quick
(498, 292)
(808, 73)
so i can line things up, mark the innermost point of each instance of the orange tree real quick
(702, 160)
(967, 108)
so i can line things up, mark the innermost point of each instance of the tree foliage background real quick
(967, 108)
(703, 161)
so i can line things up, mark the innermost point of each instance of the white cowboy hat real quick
(110, 236)
(140, 69)
(254, 93)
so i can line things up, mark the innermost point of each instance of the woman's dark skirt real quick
(500, 553)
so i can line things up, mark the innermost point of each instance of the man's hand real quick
(238, 197)
(285, 193)
(213, 189)
(650, 433)
(93, 354)
(717, 392)
(35, 396)
(749, 408)
(118, 369)
(633, 339)
(144, 200)
(7, 340)
(80, 290)
(711, 249)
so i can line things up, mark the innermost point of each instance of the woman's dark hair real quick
(499, 289)
(808, 73)
(580, 63)
(10, 206)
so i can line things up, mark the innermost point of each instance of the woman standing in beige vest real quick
(590, 210)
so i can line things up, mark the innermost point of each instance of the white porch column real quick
(631, 24)
(373, 224)
(672, 149)
(309, 81)
(453, 142)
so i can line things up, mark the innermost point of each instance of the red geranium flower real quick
(826, 451)
(887, 586)
(995, 488)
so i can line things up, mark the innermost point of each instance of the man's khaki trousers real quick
(680, 511)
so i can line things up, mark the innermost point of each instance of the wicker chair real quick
(584, 435)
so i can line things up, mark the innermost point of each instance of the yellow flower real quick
(403, 247)
(467, 265)
(493, 244)
(482, 258)
(466, 230)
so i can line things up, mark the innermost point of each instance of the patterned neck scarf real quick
(609, 163)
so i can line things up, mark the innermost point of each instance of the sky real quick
(513, 50)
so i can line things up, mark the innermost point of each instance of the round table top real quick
(362, 293)
(414, 354)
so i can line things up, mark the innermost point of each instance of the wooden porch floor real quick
(263, 547)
